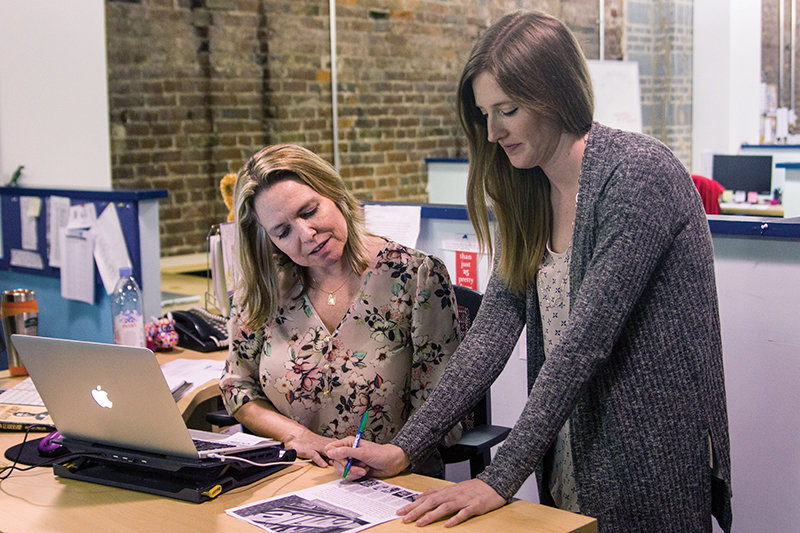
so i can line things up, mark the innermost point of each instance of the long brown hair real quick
(257, 291)
(538, 63)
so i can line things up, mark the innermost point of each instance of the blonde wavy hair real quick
(539, 64)
(257, 292)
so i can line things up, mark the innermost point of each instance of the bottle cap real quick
(125, 271)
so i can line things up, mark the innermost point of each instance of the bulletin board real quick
(67, 318)
(11, 199)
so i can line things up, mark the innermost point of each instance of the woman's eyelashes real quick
(505, 114)
(284, 230)
(309, 213)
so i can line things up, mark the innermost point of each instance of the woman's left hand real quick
(462, 500)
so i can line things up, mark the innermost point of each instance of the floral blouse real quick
(386, 355)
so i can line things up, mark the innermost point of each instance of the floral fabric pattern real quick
(385, 356)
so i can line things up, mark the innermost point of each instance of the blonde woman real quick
(329, 321)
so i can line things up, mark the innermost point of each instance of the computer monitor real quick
(743, 172)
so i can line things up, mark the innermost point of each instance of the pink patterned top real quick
(385, 356)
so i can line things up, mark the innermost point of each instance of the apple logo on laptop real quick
(101, 397)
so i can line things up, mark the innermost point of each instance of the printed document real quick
(339, 506)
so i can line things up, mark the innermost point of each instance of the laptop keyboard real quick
(205, 445)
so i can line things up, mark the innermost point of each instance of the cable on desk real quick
(224, 458)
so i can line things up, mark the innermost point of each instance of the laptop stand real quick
(197, 481)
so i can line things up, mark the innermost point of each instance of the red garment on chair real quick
(710, 192)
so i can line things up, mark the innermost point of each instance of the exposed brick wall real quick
(770, 30)
(185, 95)
(659, 37)
(770, 54)
(196, 86)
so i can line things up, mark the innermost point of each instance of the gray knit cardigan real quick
(639, 369)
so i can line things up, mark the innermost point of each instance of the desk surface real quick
(38, 501)
(764, 210)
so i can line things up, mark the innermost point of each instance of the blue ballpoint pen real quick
(355, 442)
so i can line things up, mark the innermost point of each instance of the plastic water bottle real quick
(126, 310)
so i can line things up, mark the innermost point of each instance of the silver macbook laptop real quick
(115, 396)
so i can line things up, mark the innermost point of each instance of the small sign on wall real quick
(467, 269)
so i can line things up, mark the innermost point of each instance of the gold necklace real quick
(331, 294)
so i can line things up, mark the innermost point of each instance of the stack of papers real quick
(186, 375)
(22, 407)
(341, 506)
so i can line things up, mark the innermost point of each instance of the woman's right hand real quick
(369, 459)
(262, 419)
(308, 445)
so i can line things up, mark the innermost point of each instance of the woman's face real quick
(305, 225)
(529, 140)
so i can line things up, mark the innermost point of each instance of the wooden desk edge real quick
(746, 209)
(519, 515)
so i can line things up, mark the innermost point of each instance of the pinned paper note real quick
(110, 251)
(77, 264)
(82, 215)
(29, 209)
(26, 259)
(57, 218)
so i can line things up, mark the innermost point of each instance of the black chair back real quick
(479, 434)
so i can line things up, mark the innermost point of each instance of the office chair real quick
(479, 434)
(220, 418)
(710, 192)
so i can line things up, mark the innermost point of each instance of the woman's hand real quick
(369, 459)
(308, 445)
(462, 500)
(260, 417)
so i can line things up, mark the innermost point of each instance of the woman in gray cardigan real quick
(607, 259)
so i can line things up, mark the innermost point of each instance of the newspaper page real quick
(336, 507)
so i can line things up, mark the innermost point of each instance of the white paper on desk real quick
(77, 264)
(57, 218)
(110, 250)
(26, 258)
(29, 209)
(341, 506)
(397, 222)
(198, 372)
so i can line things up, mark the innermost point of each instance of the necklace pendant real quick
(331, 299)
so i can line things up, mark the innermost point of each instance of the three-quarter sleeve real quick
(240, 380)
(434, 328)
